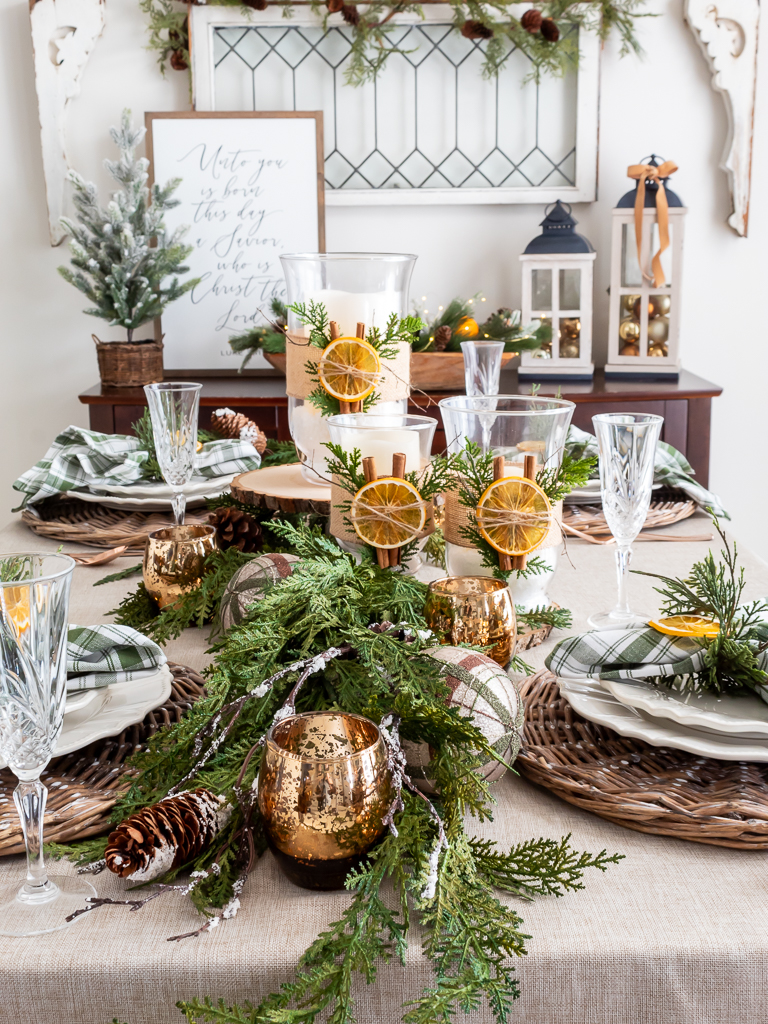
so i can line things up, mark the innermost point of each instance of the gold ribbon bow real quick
(643, 172)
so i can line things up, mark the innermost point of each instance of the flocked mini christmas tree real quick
(122, 255)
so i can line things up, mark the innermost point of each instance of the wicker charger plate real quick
(590, 519)
(649, 789)
(84, 786)
(78, 522)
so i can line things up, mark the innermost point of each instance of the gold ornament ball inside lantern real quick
(325, 787)
(629, 329)
(569, 350)
(628, 304)
(660, 305)
(630, 349)
(473, 610)
(467, 328)
(657, 350)
(637, 306)
(658, 330)
(174, 560)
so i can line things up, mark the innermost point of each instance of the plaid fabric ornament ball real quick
(482, 691)
(250, 583)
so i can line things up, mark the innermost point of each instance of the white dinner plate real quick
(155, 501)
(745, 716)
(113, 709)
(589, 699)
(77, 700)
(157, 488)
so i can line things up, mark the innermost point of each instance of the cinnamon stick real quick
(529, 472)
(359, 333)
(369, 472)
(505, 561)
(398, 470)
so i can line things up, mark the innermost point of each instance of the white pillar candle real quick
(350, 308)
(382, 444)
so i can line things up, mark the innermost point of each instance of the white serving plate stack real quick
(731, 728)
(153, 496)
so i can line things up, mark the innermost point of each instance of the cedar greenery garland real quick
(328, 613)
(549, 41)
(443, 334)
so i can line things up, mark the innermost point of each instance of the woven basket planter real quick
(129, 364)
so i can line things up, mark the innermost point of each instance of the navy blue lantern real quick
(557, 291)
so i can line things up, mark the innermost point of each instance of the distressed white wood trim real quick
(205, 19)
(727, 32)
(64, 32)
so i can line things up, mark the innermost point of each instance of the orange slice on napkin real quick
(388, 512)
(514, 515)
(349, 369)
(686, 625)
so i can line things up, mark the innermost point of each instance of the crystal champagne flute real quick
(482, 366)
(34, 605)
(627, 447)
(174, 411)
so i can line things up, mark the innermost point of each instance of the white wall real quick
(663, 104)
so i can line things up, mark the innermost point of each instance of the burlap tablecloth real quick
(675, 934)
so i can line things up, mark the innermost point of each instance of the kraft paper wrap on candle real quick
(641, 173)
(393, 386)
(338, 528)
(457, 515)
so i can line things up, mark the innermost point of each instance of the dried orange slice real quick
(388, 512)
(686, 625)
(514, 515)
(16, 608)
(198, 447)
(349, 369)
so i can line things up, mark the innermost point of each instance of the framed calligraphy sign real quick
(251, 189)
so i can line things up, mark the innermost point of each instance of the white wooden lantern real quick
(644, 322)
(557, 289)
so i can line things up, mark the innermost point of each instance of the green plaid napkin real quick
(80, 458)
(626, 654)
(671, 468)
(101, 655)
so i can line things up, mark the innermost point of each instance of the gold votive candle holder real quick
(325, 787)
(474, 610)
(174, 560)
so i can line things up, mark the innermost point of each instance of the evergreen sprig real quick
(437, 872)
(558, 618)
(269, 337)
(122, 255)
(714, 589)
(501, 325)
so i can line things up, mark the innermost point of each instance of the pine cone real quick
(476, 30)
(350, 14)
(178, 61)
(549, 30)
(166, 835)
(334, 6)
(236, 529)
(531, 20)
(443, 336)
(237, 426)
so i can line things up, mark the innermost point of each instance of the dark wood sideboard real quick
(685, 405)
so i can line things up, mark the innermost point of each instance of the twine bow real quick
(494, 518)
(642, 173)
(362, 512)
(329, 367)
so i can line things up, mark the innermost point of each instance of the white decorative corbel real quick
(64, 32)
(727, 33)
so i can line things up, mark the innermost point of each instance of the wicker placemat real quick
(81, 522)
(649, 789)
(590, 519)
(84, 786)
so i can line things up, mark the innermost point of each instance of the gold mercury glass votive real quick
(473, 610)
(174, 559)
(324, 789)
